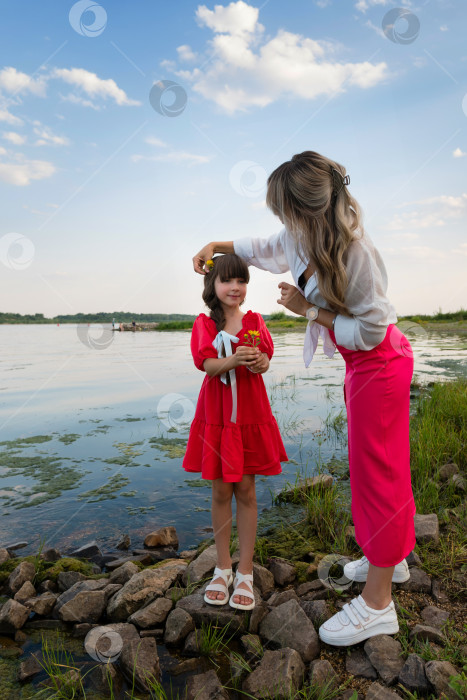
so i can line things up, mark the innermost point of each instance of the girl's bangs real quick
(230, 267)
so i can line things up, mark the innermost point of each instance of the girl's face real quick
(230, 293)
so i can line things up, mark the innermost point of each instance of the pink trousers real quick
(377, 398)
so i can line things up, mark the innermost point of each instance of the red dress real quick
(217, 447)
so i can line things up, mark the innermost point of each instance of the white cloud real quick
(47, 138)
(2, 151)
(458, 153)
(14, 81)
(185, 53)
(153, 141)
(429, 213)
(78, 100)
(175, 157)
(413, 252)
(461, 250)
(6, 116)
(13, 137)
(375, 28)
(443, 28)
(21, 173)
(94, 86)
(246, 70)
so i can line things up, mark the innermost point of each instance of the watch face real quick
(312, 314)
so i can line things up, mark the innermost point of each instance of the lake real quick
(93, 426)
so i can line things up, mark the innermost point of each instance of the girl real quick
(234, 434)
(341, 289)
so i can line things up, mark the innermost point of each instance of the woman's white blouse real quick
(365, 297)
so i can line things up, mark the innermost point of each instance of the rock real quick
(86, 606)
(144, 559)
(87, 551)
(111, 589)
(192, 643)
(158, 554)
(81, 629)
(258, 614)
(426, 528)
(203, 565)
(184, 667)
(45, 624)
(288, 626)
(427, 633)
(263, 579)
(67, 579)
(413, 559)
(20, 637)
(448, 470)
(28, 668)
(304, 590)
(283, 572)
(413, 676)
(200, 611)
(323, 481)
(153, 614)
(78, 587)
(123, 573)
(178, 625)
(102, 676)
(47, 586)
(358, 664)
(317, 611)
(16, 545)
(4, 555)
(164, 537)
(378, 692)
(188, 554)
(384, 653)
(205, 686)
(51, 554)
(139, 659)
(124, 543)
(26, 591)
(252, 647)
(322, 674)
(13, 615)
(438, 594)
(438, 674)
(279, 674)
(25, 571)
(458, 482)
(143, 587)
(282, 597)
(42, 604)
(434, 617)
(419, 582)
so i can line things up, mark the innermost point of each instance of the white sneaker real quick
(356, 622)
(358, 570)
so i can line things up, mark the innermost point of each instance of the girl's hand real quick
(246, 355)
(261, 364)
(292, 298)
(200, 258)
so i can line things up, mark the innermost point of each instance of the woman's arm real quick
(207, 253)
(264, 253)
(294, 301)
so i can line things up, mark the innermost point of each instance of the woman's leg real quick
(377, 590)
(221, 513)
(247, 517)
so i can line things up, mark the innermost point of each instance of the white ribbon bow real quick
(224, 339)
(312, 333)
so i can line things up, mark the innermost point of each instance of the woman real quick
(341, 289)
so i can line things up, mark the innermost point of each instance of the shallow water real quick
(107, 416)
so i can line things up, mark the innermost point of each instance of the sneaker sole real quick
(387, 628)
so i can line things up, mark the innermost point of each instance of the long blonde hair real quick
(302, 192)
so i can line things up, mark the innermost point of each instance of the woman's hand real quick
(292, 299)
(246, 355)
(200, 258)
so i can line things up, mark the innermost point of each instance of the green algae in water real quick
(198, 483)
(139, 510)
(68, 438)
(172, 447)
(129, 420)
(34, 440)
(106, 492)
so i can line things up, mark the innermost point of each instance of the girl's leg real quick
(377, 590)
(247, 516)
(221, 513)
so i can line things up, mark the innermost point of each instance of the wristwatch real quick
(312, 313)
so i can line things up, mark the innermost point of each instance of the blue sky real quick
(105, 199)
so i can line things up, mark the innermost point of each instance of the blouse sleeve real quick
(265, 253)
(266, 344)
(366, 300)
(201, 342)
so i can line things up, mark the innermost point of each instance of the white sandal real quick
(248, 579)
(226, 575)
